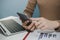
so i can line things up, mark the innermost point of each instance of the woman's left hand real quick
(43, 23)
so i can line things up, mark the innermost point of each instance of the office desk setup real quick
(24, 35)
(32, 36)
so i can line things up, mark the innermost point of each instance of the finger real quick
(25, 22)
(25, 26)
(30, 26)
(35, 19)
(33, 28)
(40, 26)
(44, 28)
(38, 23)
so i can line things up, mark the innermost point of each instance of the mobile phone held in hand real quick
(24, 18)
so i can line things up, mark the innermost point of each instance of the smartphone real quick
(24, 18)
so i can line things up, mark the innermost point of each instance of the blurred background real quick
(11, 7)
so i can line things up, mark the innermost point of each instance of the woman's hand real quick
(30, 27)
(43, 23)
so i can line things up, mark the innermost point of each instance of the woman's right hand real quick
(30, 27)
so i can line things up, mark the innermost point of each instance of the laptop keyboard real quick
(12, 25)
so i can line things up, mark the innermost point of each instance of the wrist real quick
(58, 26)
(57, 23)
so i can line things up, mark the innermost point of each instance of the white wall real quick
(11, 7)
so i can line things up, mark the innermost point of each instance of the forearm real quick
(30, 7)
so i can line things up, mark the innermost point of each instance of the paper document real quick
(37, 35)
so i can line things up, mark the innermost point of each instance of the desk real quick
(32, 36)
(18, 36)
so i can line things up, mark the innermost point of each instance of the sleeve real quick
(58, 29)
(30, 7)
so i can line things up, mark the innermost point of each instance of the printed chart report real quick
(37, 35)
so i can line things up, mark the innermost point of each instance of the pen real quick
(26, 36)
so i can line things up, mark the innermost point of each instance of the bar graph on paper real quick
(43, 36)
